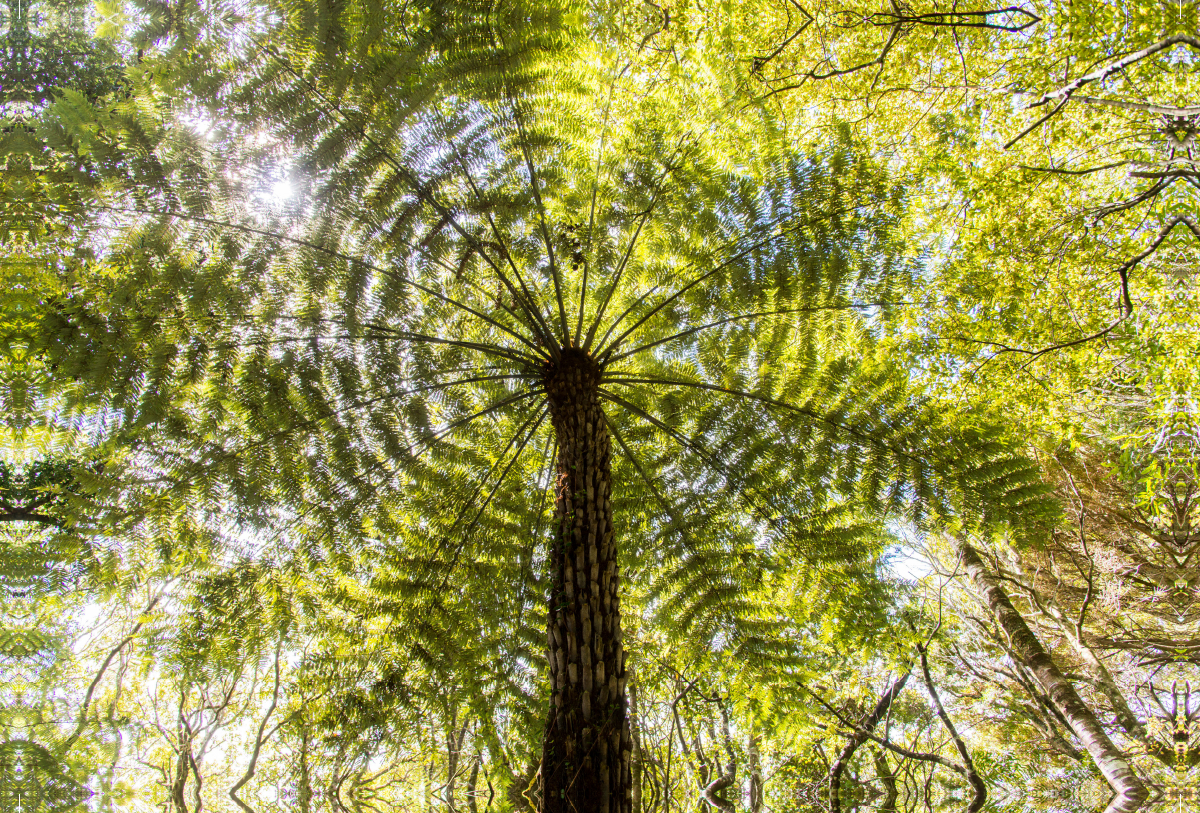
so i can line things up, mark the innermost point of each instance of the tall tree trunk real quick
(1104, 681)
(473, 783)
(722, 780)
(973, 777)
(304, 793)
(587, 750)
(887, 778)
(754, 767)
(427, 783)
(1129, 790)
(179, 783)
(857, 738)
(454, 743)
(635, 731)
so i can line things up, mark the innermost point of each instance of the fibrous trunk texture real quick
(587, 749)
(634, 730)
(1129, 790)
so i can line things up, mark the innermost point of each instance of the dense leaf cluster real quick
(289, 298)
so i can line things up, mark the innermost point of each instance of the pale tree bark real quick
(588, 748)
(1129, 791)
(454, 744)
(1104, 681)
(636, 735)
(754, 767)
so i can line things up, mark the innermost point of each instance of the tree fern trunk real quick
(587, 750)
(635, 732)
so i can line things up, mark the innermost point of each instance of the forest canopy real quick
(604, 407)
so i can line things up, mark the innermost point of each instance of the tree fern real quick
(492, 303)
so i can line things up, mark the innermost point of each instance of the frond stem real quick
(608, 359)
(330, 252)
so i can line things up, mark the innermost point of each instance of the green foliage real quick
(320, 523)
